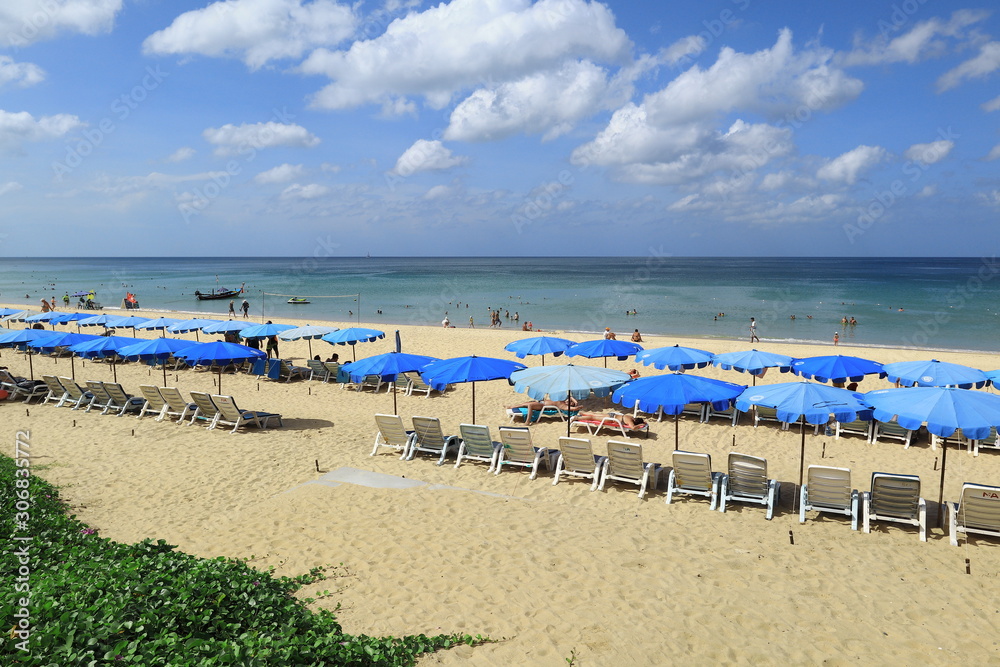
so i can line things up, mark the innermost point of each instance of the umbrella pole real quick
(474, 403)
(309, 340)
(31, 365)
(72, 367)
(164, 372)
(941, 512)
(676, 432)
(802, 461)
(394, 411)
(114, 369)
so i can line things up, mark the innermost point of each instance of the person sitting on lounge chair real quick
(628, 420)
(532, 406)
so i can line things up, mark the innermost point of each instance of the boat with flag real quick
(219, 293)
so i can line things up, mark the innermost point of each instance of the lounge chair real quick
(576, 458)
(763, 414)
(747, 482)
(862, 427)
(154, 401)
(415, 383)
(79, 396)
(288, 372)
(28, 389)
(517, 450)
(120, 400)
(318, 370)
(957, 438)
(56, 392)
(977, 511)
(612, 420)
(892, 430)
(230, 414)
(625, 463)
(895, 498)
(828, 489)
(392, 434)
(101, 397)
(176, 405)
(332, 369)
(205, 410)
(476, 444)
(731, 414)
(546, 411)
(990, 442)
(429, 438)
(373, 382)
(692, 474)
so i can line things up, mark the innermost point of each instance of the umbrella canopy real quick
(126, 322)
(811, 402)
(102, 347)
(160, 323)
(754, 362)
(935, 373)
(68, 317)
(155, 349)
(836, 368)
(308, 332)
(4, 312)
(670, 393)
(98, 320)
(468, 369)
(352, 335)
(387, 366)
(539, 345)
(229, 326)
(674, 357)
(603, 347)
(20, 338)
(15, 315)
(558, 383)
(220, 354)
(41, 317)
(195, 325)
(264, 330)
(62, 339)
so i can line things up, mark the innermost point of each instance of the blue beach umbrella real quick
(155, 349)
(194, 324)
(753, 362)
(836, 368)
(20, 338)
(229, 326)
(65, 318)
(935, 373)
(943, 410)
(468, 369)
(811, 402)
(675, 357)
(61, 339)
(40, 317)
(388, 366)
(97, 320)
(127, 322)
(219, 353)
(264, 330)
(558, 383)
(540, 345)
(4, 312)
(603, 347)
(308, 332)
(353, 335)
(103, 347)
(159, 324)
(671, 392)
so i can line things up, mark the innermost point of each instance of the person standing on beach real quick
(753, 331)
(472, 325)
(272, 346)
(232, 309)
(245, 307)
(836, 338)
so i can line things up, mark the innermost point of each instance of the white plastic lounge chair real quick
(732, 414)
(576, 458)
(77, 395)
(429, 438)
(332, 369)
(229, 414)
(692, 474)
(612, 420)
(990, 442)
(862, 427)
(977, 511)
(892, 430)
(957, 439)
(205, 411)
(56, 392)
(289, 372)
(517, 450)
(392, 434)
(373, 382)
(415, 383)
(154, 403)
(121, 402)
(28, 389)
(625, 463)
(550, 411)
(318, 370)
(476, 444)
(101, 398)
(895, 498)
(176, 405)
(747, 482)
(763, 414)
(829, 489)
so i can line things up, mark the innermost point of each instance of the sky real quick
(319, 128)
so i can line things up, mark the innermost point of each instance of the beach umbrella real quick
(670, 393)
(61, 339)
(14, 315)
(307, 332)
(540, 345)
(220, 354)
(65, 318)
(806, 401)
(352, 336)
(98, 320)
(127, 322)
(41, 317)
(155, 349)
(836, 368)
(20, 339)
(935, 373)
(264, 330)
(753, 362)
(468, 369)
(388, 366)
(558, 383)
(103, 347)
(943, 410)
(194, 324)
(674, 357)
(229, 326)
(4, 312)
(603, 347)
(159, 324)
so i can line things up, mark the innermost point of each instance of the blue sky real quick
(498, 127)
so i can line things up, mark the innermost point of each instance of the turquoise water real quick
(948, 303)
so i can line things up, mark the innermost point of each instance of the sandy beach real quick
(552, 573)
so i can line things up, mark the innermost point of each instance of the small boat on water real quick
(219, 293)
(298, 300)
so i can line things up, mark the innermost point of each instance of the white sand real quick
(550, 571)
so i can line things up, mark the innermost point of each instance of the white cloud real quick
(10, 186)
(848, 167)
(426, 155)
(330, 167)
(991, 198)
(984, 64)
(116, 186)
(992, 105)
(927, 191)
(257, 31)
(310, 191)
(232, 139)
(994, 153)
(438, 192)
(450, 47)
(280, 174)
(20, 74)
(782, 180)
(922, 41)
(21, 126)
(930, 153)
(24, 22)
(181, 154)
(684, 48)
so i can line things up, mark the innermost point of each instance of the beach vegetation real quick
(82, 599)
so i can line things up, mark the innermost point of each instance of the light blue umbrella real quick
(675, 357)
(942, 409)
(195, 325)
(155, 349)
(15, 315)
(352, 336)
(65, 318)
(811, 402)
(104, 347)
(61, 339)
(98, 320)
(127, 322)
(753, 362)
(388, 366)
(671, 392)
(220, 354)
(308, 332)
(540, 345)
(836, 368)
(4, 312)
(935, 373)
(467, 369)
(41, 317)
(558, 383)
(159, 324)
(264, 330)
(229, 326)
(603, 347)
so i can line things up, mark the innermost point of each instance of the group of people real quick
(244, 308)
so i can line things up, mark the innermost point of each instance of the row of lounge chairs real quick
(166, 403)
(893, 497)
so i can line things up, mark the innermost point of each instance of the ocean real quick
(933, 303)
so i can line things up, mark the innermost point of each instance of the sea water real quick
(944, 303)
